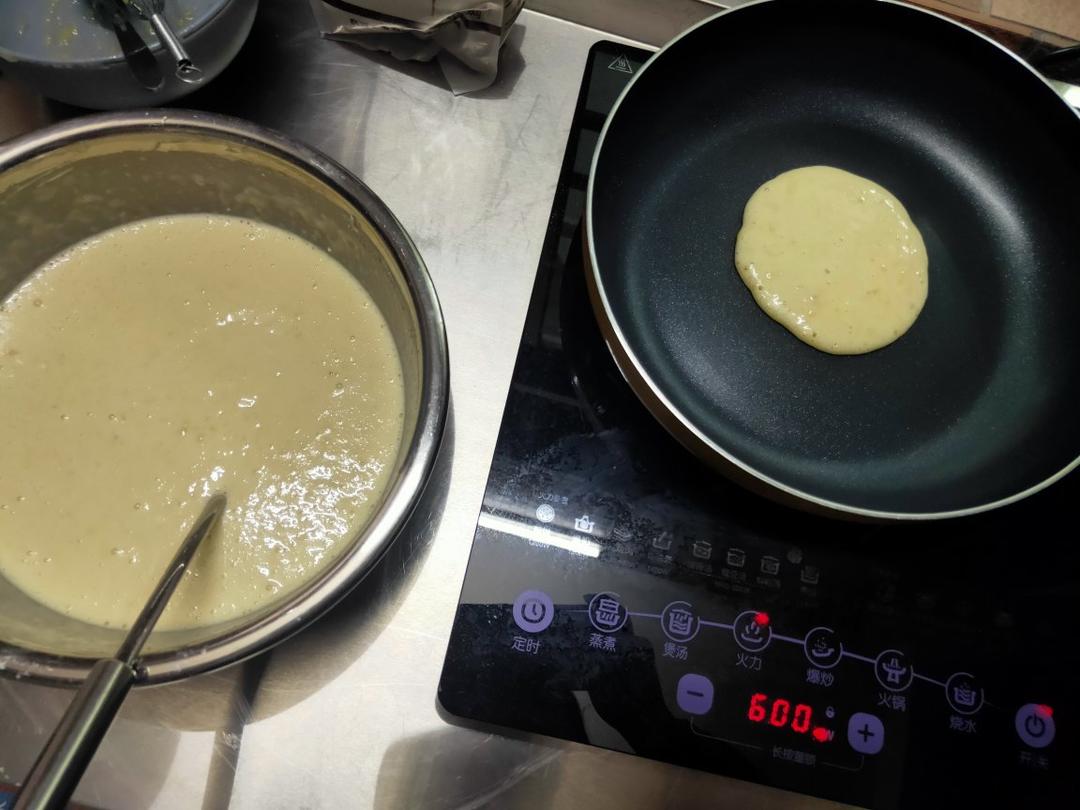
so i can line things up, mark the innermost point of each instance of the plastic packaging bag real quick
(463, 35)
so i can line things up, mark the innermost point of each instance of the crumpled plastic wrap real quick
(464, 36)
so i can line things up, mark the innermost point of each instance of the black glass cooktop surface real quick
(620, 593)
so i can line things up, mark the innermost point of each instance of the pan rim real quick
(637, 376)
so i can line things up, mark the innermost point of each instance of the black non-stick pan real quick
(979, 403)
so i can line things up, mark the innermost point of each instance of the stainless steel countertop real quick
(344, 714)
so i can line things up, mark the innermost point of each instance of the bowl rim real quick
(322, 593)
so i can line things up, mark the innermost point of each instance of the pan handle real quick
(1062, 64)
(1062, 69)
(1069, 92)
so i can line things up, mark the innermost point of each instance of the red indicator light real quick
(761, 618)
(821, 734)
(1045, 710)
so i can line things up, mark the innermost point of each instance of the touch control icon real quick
(752, 631)
(607, 613)
(865, 733)
(533, 611)
(770, 566)
(823, 649)
(964, 693)
(694, 693)
(584, 524)
(679, 622)
(1035, 725)
(894, 670)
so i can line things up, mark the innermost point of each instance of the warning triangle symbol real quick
(622, 64)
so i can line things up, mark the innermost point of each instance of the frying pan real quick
(976, 406)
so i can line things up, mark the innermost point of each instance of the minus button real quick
(694, 693)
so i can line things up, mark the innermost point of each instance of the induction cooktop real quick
(621, 594)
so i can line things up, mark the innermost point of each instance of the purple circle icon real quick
(533, 611)
(1035, 724)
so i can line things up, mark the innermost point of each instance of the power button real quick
(1035, 725)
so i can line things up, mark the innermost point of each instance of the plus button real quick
(865, 733)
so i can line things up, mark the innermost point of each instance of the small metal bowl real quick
(65, 183)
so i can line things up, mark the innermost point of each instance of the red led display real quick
(782, 713)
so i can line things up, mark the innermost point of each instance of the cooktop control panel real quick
(621, 593)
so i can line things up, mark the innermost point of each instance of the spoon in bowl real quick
(153, 11)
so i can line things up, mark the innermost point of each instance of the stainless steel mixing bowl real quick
(68, 182)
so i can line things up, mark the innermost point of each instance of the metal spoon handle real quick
(61, 764)
(185, 69)
(144, 67)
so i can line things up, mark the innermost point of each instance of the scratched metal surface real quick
(344, 714)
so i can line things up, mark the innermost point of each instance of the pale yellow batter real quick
(833, 257)
(154, 364)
